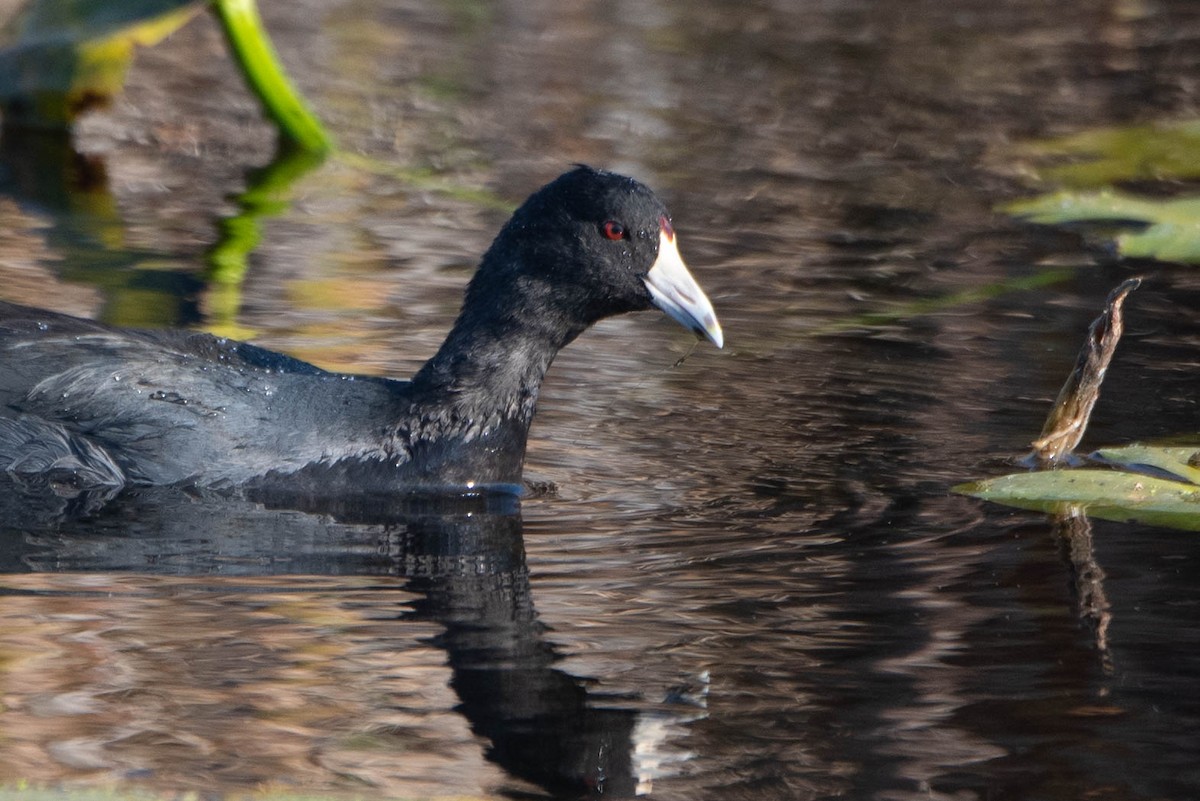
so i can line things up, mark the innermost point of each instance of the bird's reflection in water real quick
(463, 557)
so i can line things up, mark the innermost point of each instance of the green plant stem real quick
(252, 48)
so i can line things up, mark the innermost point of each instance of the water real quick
(750, 579)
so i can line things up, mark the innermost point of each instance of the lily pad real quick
(1170, 229)
(1179, 463)
(1146, 484)
(1107, 156)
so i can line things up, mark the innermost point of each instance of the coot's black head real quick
(589, 245)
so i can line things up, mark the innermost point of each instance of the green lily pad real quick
(1107, 156)
(1090, 163)
(1179, 463)
(1171, 228)
(1142, 490)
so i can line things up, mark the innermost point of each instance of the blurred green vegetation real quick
(1169, 230)
(1095, 174)
(268, 193)
(59, 58)
(1109, 156)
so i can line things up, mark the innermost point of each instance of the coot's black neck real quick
(474, 401)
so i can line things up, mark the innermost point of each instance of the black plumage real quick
(95, 405)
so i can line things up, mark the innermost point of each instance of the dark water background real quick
(750, 579)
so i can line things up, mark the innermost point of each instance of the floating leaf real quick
(1106, 494)
(1151, 484)
(1089, 163)
(1103, 157)
(1178, 463)
(1172, 227)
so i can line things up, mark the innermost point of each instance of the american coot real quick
(96, 406)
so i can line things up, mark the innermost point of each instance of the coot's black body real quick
(94, 405)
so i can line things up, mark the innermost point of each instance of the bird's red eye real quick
(613, 230)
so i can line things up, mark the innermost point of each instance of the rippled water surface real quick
(748, 577)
